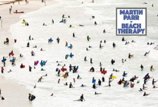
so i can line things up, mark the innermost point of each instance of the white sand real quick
(115, 96)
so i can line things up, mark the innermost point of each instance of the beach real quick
(16, 95)
(69, 48)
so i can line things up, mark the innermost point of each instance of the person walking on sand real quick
(30, 68)
(151, 68)
(28, 44)
(153, 83)
(146, 78)
(1, 21)
(142, 67)
(73, 35)
(152, 5)
(10, 9)
(70, 85)
(2, 71)
(113, 45)
(88, 38)
(99, 82)
(104, 31)
(91, 61)
(4, 61)
(2, 98)
(52, 21)
(112, 61)
(58, 40)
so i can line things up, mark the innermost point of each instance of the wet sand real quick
(16, 95)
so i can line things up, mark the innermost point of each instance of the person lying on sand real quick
(18, 12)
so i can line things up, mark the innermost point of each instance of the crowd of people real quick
(64, 69)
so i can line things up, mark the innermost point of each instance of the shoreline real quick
(10, 2)
(13, 92)
(15, 95)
